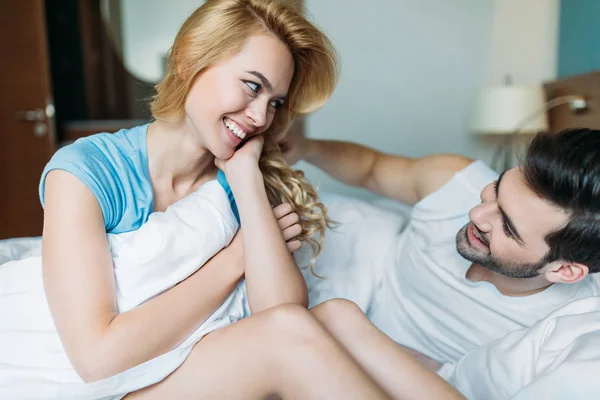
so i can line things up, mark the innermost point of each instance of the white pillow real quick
(356, 252)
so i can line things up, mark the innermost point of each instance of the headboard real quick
(587, 85)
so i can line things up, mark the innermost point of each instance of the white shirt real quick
(425, 301)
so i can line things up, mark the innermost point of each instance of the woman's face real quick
(238, 97)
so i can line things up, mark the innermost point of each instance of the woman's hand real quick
(288, 222)
(243, 160)
(272, 276)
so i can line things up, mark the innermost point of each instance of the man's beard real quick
(512, 270)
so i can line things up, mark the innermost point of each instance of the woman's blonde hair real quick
(218, 30)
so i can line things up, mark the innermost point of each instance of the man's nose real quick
(482, 215)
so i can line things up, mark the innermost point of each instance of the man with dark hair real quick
(564, 169)
(526, 243)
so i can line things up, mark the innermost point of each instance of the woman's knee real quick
(291, 319)
(271, 330)
(338, 312)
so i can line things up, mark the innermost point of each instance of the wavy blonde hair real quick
(218, 30)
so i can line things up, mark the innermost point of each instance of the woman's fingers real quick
(293, 245)
(282, 210)
(292, 232)
(288, 221)
(286, 217)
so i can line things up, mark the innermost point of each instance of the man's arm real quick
(404, 179)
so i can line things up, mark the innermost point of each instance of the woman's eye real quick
(276, 103)
(255, 87)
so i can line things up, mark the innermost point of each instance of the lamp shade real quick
(510, 109)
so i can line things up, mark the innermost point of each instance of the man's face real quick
(507, 231)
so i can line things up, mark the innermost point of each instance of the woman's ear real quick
(566, 272)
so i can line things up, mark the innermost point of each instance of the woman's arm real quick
(80, 287)
(272, 277)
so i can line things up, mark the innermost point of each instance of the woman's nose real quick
(257, 112)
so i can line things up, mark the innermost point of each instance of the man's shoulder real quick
(438, 170)
(460, 190)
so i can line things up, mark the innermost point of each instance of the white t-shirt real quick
(425, 301)
(558, 358)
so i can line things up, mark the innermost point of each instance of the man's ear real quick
(566, 272)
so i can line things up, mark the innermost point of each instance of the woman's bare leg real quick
(390, 366)
(282, 351)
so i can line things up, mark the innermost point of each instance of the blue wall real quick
(579, 37)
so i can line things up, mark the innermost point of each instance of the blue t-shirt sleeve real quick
(114, 168)
(90, 165)
(223, 181)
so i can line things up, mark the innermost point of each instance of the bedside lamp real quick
(515, 110)
(507, 110)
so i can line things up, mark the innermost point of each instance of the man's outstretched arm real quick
(404, 179)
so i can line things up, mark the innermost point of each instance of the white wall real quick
(524, 46)
(410, 69)
(524, 41)
(148, 30)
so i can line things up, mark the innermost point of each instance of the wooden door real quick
(27, 137)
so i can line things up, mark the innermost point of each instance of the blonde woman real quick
(238, 72)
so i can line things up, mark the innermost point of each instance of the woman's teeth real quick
(232, 126)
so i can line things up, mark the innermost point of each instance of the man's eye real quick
(506, 230)
(255, 87)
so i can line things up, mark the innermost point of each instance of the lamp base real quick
(503, 153)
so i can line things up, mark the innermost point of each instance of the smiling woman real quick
(291, 71)
(239, 71)
(244, 100)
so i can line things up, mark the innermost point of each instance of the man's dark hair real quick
(564, 169)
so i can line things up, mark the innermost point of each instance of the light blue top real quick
(114, 166)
